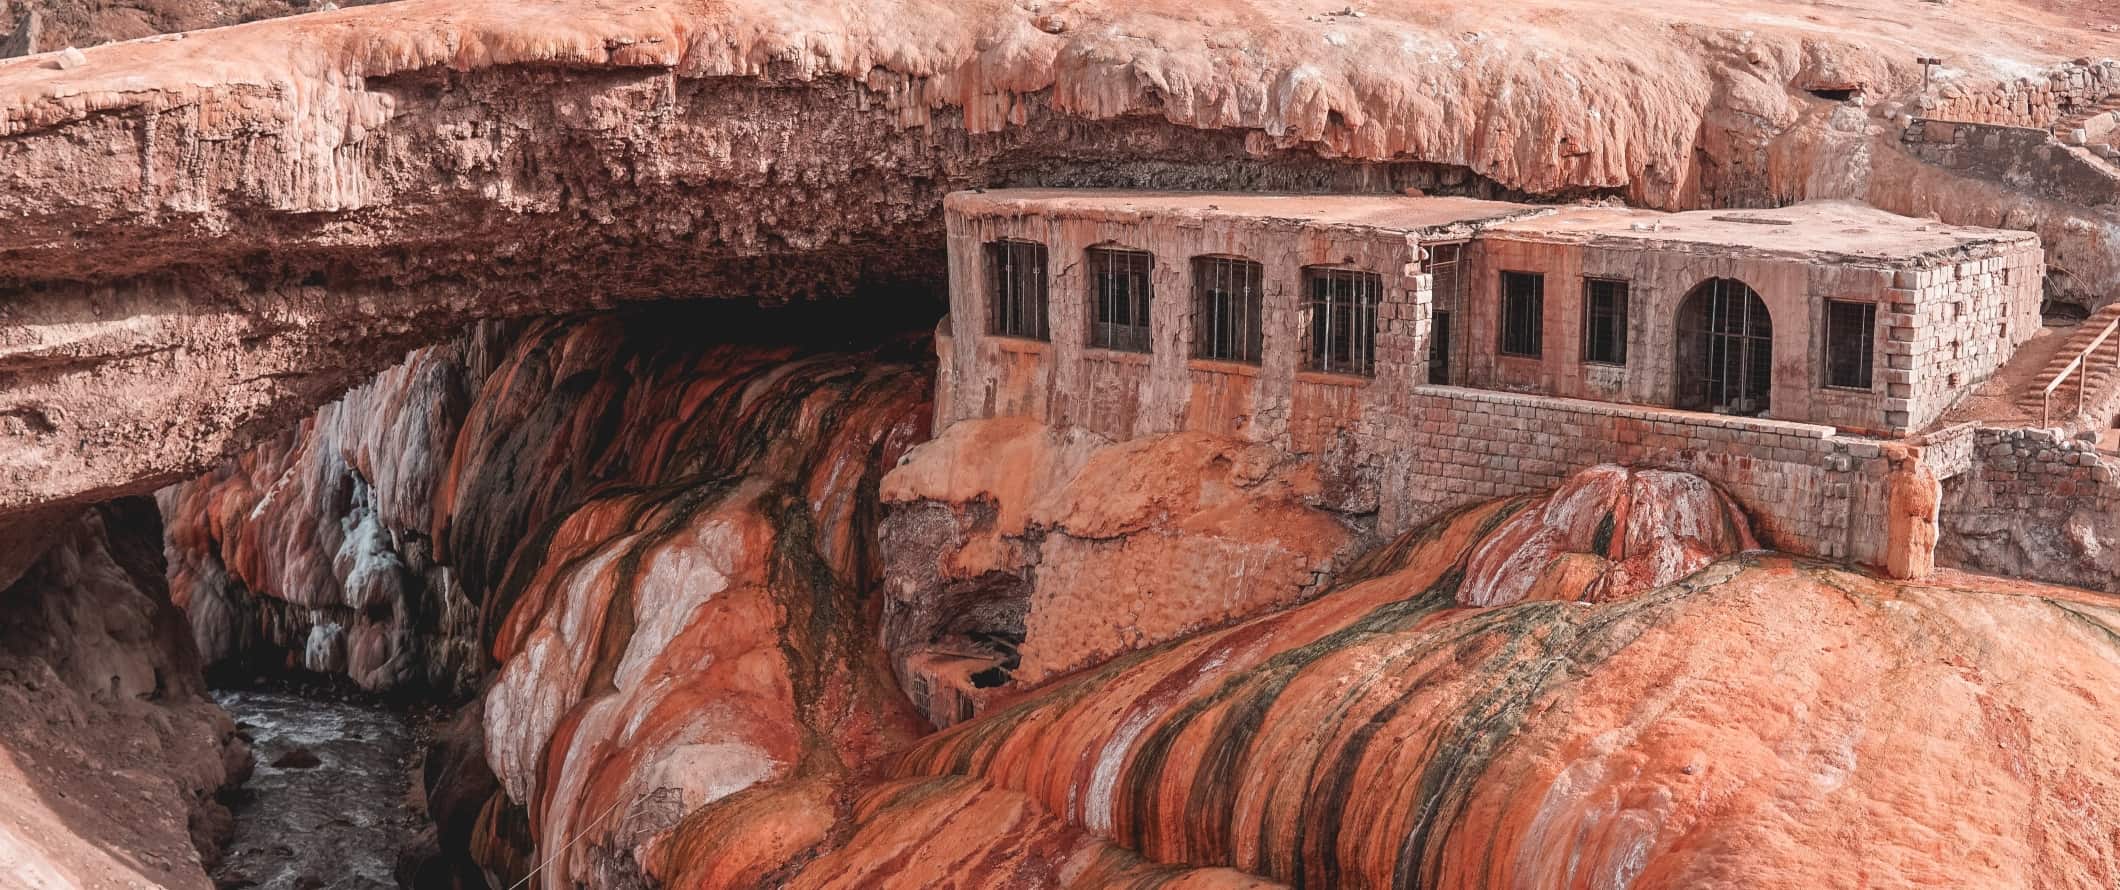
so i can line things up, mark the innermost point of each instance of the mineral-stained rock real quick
(1764, 721)
(312, 550)
(1606, 534)
(109, 750)
(1016, 552)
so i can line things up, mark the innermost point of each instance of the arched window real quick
(1228, 300)
(1725, 349)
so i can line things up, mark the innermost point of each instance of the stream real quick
(331, 820)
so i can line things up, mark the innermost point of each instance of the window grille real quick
(1523, 314)
(1016, 290)
(1725, 349)
(1341, 308)
(1605, 321)
(1851, 329)
(1119, 294)
(1443, 283)
(1228, 303)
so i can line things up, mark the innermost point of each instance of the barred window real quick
(1228, 299)
(1523, 314)
(1016, 290)
(1119, 293)
(1341, 309)
(1605, 321)
(1851, 329)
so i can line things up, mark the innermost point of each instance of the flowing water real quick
(337, 825)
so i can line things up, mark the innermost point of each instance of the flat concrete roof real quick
(1396, 213)
(1844, 231)
(1816, 231)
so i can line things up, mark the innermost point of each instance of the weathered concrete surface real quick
(206, 235)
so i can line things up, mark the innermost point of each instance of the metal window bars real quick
(1605, 321)
(1341, 306)
(1016, 289)
(1228, 302)
(1738, 346)
(1523, 314)
(1851, 330)
(1119, 296)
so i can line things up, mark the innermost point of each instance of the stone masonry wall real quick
(2037, 101)
(2020, 157)
(1950, 327)
(1803, 484)
(2035, 504)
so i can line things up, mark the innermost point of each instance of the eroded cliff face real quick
(1761, 722)
(1016, 552)
(313, 551)
(208, 236)
(110, 753)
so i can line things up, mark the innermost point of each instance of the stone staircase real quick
(2097, 342)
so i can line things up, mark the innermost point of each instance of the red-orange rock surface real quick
(1765, 722)
(1017, 552)
(110, 752)
(206, 236)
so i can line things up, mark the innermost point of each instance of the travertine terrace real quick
(1060, 444)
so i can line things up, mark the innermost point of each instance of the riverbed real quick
(335, 825)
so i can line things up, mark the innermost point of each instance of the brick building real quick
(1447, 349)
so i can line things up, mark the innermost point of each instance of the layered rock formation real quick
(1762, 722)
(266, 214)
(1018, 552)
(110, 753)
(313, 551)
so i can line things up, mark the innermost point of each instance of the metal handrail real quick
(2082, 359)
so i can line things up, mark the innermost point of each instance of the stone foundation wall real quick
(2034, 504)
(2025, 159)
(1805, 486)
(2039, 101)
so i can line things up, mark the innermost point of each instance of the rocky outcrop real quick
(313, 550)
(110, 753)
(206, 236)
(1016, 552)
(1760, 722)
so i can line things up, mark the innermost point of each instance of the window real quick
(1523, 314)
(1227, 302)
(1341, 308)
(1443, 281)
(1016, 290)
(1604, 321)
(1119, 292)
(1851, 329)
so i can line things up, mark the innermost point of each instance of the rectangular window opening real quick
(1605, 321)
(1851, 332)
(1228, 299)
(1340, 307)
(1523, 314)
(1443, 283)
(1016, 290)
(1119, 296)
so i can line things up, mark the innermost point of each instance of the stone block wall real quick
(1948, 328)
(1808, 488)
(2034, 504)
(1065, 381)
(2020, 157)
(2037, 101)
